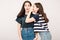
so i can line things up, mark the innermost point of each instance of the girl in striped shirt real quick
(41, 25)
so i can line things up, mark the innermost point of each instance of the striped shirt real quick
(40, 25)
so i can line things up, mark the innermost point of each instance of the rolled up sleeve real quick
(19, 20)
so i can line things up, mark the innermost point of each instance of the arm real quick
(36, 36)
(19, 31)
(28, 19)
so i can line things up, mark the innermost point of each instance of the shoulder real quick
(36, 16)
(18, 19)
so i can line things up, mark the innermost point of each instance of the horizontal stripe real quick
(40, 27)
(41, 17)
(40, 30)
(39, 23)
(42, 21)
(36, 24)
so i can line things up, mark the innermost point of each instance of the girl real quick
(41, 25)
(27, 32)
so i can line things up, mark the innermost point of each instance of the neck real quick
(34, 12)
(26, 13)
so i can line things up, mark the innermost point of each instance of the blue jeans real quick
(45, 35)
(27, 33)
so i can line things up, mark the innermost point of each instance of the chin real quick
(27, 10)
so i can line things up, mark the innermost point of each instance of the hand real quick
(35, 38)
(20, 39)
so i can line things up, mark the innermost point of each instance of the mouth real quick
(27, 9)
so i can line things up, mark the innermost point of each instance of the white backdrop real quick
(10, 8)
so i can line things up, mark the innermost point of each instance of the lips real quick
(27, 9)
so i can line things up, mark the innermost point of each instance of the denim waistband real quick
(27, 28)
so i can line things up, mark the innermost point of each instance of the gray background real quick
(10, 8)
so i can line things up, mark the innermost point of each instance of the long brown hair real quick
(22, 12)
(41, 11)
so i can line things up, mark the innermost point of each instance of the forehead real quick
(27, 3)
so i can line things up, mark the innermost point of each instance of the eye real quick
(28, 5)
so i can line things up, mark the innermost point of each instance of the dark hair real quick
(22, 12)
(41, 11)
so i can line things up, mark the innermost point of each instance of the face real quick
(27, 7)
(35, 9)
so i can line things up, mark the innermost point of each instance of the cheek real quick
(28, 7)
(34, 9)
(24, 7)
